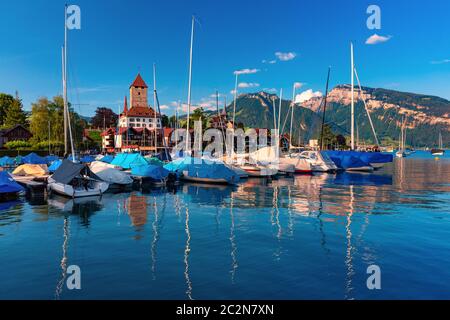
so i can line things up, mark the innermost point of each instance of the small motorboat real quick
(76, 180)
(9, 189)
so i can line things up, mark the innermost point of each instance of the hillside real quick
(425, 115)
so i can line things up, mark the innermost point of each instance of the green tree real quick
(6, 101)
(14, 114)
(45, 112)
(199, 114)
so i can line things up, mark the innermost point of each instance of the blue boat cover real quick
(155, 162)
(151, 171)
(107, 159)
(127, 160)
(55, 165)
(7, 183)
(50, 159)
(6, 161)
(366, 157)
(33, 158)
(346, 159)
(87, 159)
(19, 160)
(201, 168)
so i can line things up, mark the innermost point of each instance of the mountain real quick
(425, 115)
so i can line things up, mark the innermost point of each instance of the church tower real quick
(138, 93)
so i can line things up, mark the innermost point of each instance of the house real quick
(18, 132)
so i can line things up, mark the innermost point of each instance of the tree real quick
(14, 114)
(104, 118)
(45, 112)
(199, 114)
(165, 121)
(5, 102)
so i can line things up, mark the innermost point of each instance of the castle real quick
(139, 124)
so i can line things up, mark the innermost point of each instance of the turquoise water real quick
(307, 237)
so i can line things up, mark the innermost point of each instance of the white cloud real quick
(164, 107)
(440, 61)
(248, 85)
(306, 95)
(233, 92)
(269, 61)
(270, 90)
(247, 71)
(285, 56)
(375, 39)
(298, 85)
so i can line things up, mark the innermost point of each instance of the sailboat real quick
(439, 151)
(72, 179)
(401, 150)
(197, 169)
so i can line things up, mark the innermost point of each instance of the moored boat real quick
(9, 189)
(76, 181)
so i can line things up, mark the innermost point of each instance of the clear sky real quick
(119, 38)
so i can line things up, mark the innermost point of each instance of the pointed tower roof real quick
(139, 82)
(125, 106)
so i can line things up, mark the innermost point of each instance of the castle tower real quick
(138, 93)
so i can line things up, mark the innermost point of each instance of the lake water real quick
(306, 237)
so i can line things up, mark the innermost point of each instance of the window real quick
(138, 125)
(132, 120)
(138, 120)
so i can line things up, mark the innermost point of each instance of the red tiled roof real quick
(139, 82)
(141, 112)
(108, 132)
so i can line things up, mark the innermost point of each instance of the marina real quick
(255, 239)
(149, 153)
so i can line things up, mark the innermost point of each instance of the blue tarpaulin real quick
(127, 160)
(107, 159)
(7, 184)
(201, 168)
(154, 172)
(50, 159)
(55, 165)
(33, 158)
(6, 161)
(87, 159)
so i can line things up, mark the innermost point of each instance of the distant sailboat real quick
(401, 149)
(440, 150)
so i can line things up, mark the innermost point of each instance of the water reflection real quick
(264, 233)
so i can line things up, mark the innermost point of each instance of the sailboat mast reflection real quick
(187, 251)
(350, 249)
(156, 226)
(234, 264)
(63, 264)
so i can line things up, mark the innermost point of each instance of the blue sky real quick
(120, 38)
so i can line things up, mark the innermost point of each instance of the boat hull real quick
(68, 191)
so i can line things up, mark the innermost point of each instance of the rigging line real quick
(365, 106)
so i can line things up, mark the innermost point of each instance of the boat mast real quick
(292, 116)
(235, 98)
(154, 105)
(353, 98)
(64, 58)
(279, 116)
(188, 145)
